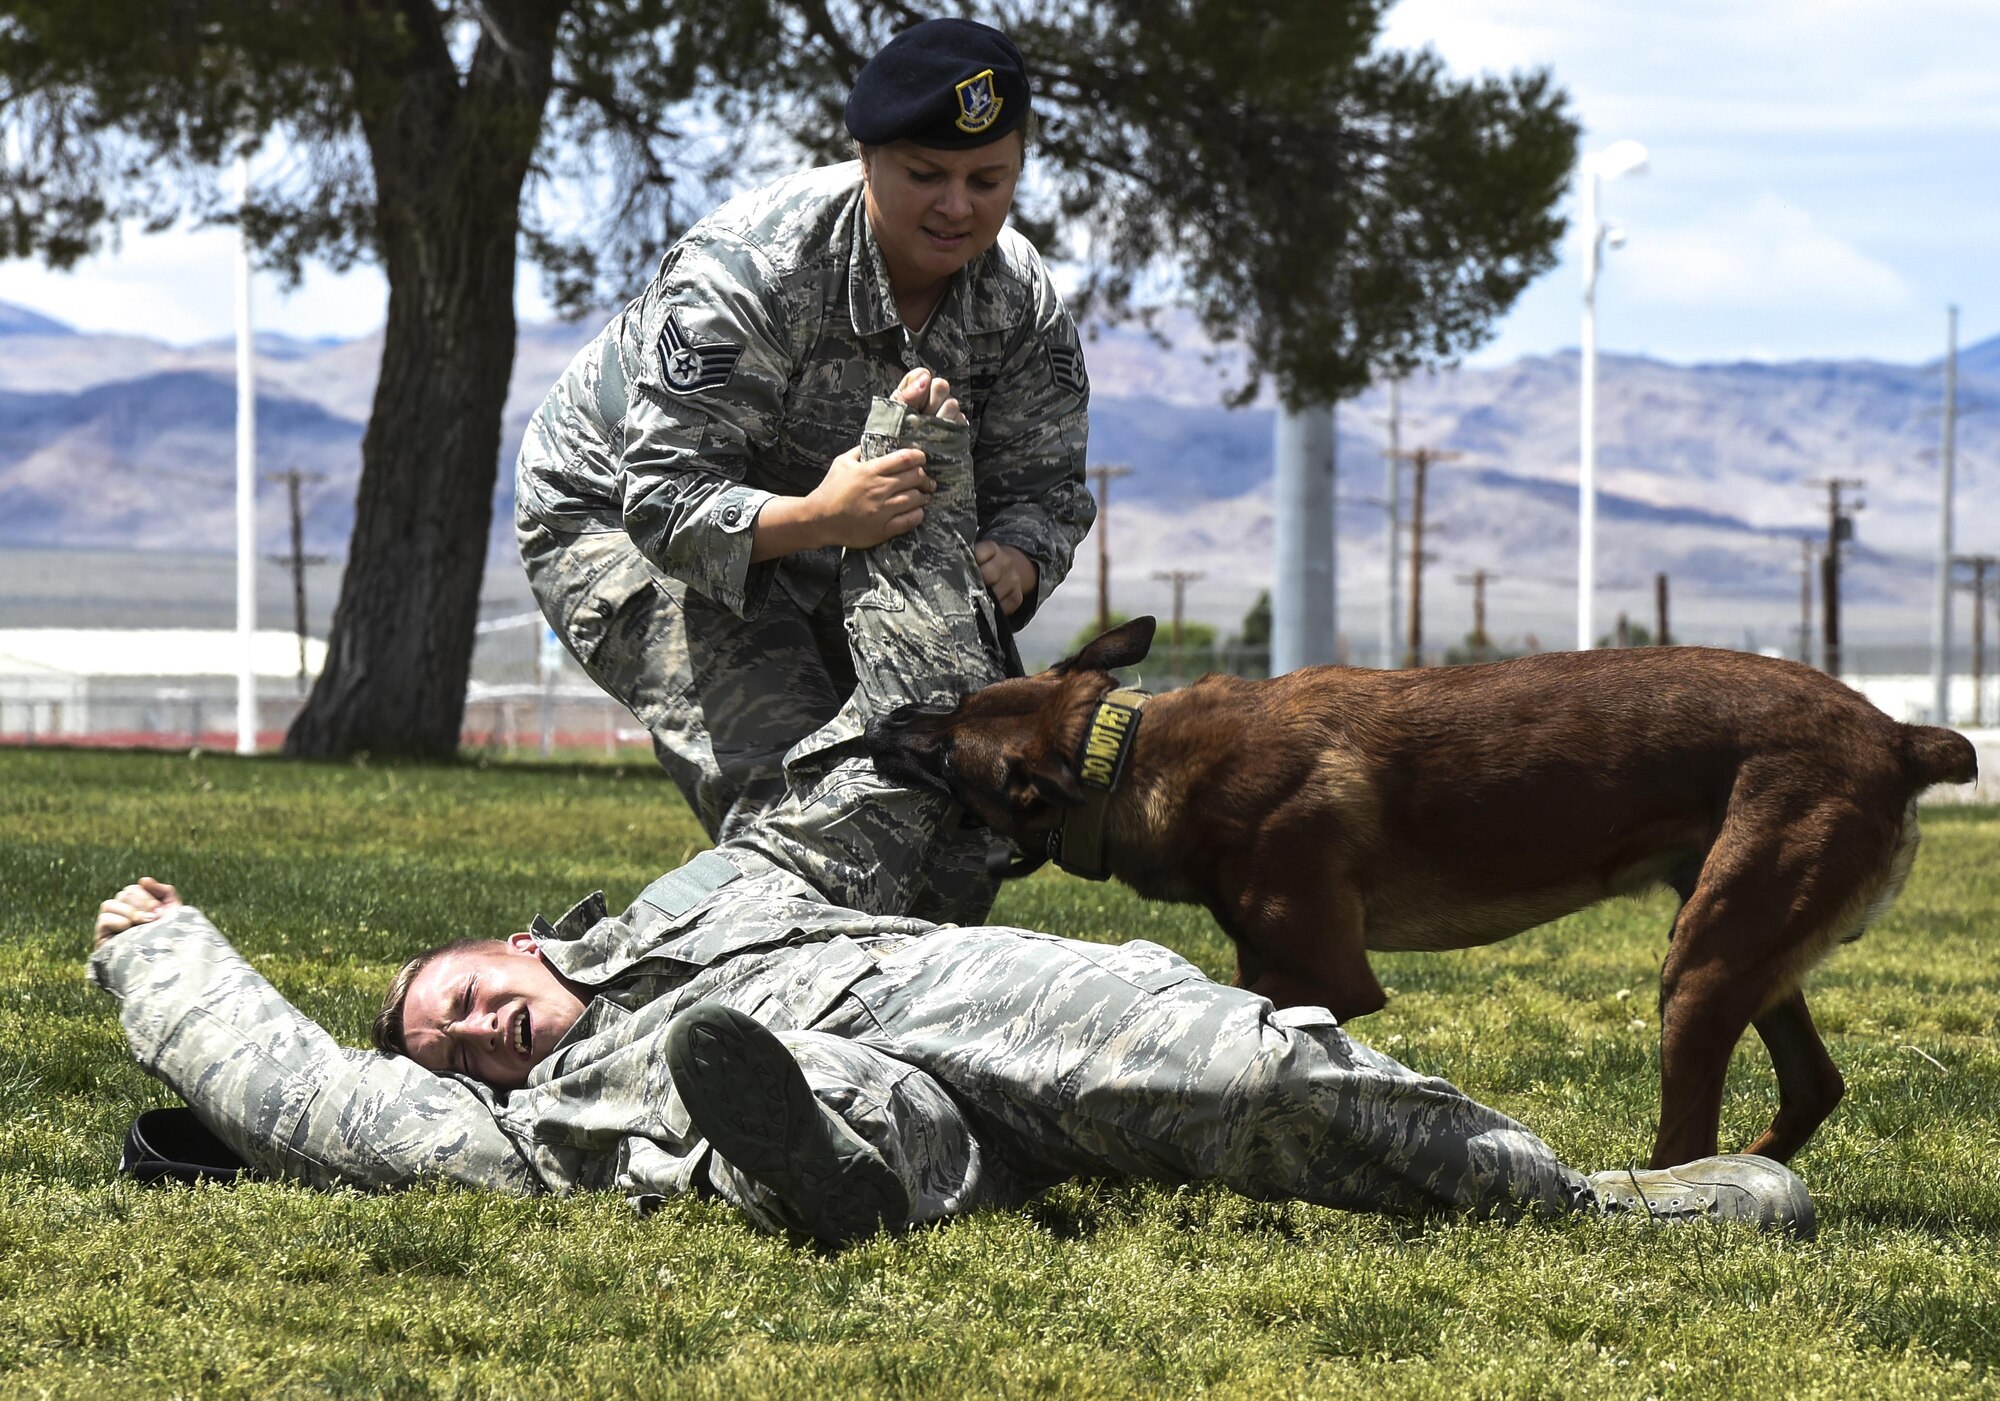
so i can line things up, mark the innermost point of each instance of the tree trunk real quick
(449, 164)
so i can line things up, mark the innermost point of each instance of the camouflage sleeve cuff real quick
(704, 539)
(729, 576)
(273, 1085)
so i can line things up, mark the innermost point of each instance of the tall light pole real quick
(1619, 158)
(246, 484)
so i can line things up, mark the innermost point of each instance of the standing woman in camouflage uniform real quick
(685, 492)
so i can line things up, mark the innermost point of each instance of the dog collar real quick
(1078, 845)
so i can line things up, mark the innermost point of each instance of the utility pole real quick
(1839, 530)
(1392, 529)
(1805, 598)
(1660, 638)
(1180, 579)
(1420, 460)
(298, 559)
(1947, 465)
(1104, 476)
(1481, 644)
(1978, 564)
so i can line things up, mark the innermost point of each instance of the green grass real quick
(327, 876)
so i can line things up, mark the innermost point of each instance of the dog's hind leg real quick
(1809, 1084)
(1791, 870)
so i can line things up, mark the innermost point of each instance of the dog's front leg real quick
(1305, 948)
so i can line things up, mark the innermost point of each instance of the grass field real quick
(328, 876)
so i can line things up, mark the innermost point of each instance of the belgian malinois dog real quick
(1333, 810)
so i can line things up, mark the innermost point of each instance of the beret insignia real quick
(979, 103)
(1066, 369)
(689, 368)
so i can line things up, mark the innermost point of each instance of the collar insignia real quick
(979, 103)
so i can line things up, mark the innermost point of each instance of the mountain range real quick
(1706, 472)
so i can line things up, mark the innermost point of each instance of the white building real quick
(111, 683)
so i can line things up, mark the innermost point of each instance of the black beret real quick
(945, 83)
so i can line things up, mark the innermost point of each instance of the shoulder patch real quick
(1066, 368)
(688, 368)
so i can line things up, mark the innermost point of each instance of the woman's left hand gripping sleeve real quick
(1033, 432)
(274, 1086)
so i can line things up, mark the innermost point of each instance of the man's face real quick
(935, 211)
(492, 1012)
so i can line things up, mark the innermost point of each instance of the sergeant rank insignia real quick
(978, 103)
(689, 368)
(1066, 368)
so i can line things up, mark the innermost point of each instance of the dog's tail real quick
(1933, 754)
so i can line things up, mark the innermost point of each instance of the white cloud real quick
(180, 287)
(1770, 257)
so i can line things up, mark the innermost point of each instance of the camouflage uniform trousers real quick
(725, 698)
(987, 1064)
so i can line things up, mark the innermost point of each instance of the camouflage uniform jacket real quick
(740, 371)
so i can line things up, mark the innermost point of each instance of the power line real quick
(1180, 579)
(1420, 460)
(1839, 530)
(298, 559)
(1976, 586)
(1478, 578)
(1104, 476)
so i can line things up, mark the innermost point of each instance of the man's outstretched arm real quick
(268, 1080)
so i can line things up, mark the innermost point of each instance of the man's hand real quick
(1010, 574)
(927, 394)
(135, 904)
(1007, 571)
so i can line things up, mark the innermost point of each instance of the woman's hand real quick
(135, 904)
(861, 502)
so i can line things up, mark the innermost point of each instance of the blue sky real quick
(1825, 178)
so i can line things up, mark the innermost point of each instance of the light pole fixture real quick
(246, 482)
(1619, 158)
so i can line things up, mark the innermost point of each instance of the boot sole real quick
(746, 1095)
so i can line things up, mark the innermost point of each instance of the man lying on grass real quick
(757, 1025)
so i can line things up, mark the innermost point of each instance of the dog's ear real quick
(1055, 781)
(1125, 645)
(912, 746)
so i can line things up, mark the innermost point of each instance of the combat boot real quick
(746, 1095)
(1732, 1187)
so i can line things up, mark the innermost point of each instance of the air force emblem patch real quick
(689, 368)
(979, 103)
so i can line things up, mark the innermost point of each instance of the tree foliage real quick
(1337, 207)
